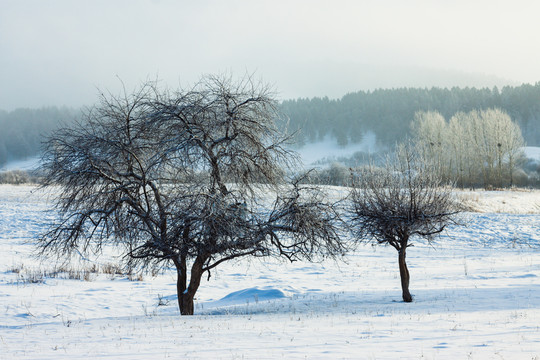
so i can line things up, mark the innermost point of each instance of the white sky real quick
(57, 52)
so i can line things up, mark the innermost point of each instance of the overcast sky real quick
(58, 52)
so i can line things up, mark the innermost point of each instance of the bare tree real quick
(402, 200)
(191, 178)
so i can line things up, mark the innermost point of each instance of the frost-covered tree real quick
(398, 202)
(431, 139)
(505, 145)
(465, 165)
(479, 147)
(191, 179)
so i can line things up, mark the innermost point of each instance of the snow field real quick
(477, 296)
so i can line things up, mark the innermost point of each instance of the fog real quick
(59, 52)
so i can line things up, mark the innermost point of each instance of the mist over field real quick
(64, 53)
(56, 53)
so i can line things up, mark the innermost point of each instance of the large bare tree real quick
(190, 178)
(399, 201)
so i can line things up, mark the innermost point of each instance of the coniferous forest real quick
(22, 131)
(387, 113)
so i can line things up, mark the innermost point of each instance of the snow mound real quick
(251, 301)
(252, 294)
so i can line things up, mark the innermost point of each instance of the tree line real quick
(389, 112)
(23, 131)
(477, 148)
(386, 112)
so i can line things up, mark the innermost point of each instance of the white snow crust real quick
(476, 296)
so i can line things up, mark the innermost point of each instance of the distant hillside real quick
(334, 79)
(388, 112)
(22, 130)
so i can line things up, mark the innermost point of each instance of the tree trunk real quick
(186, 294)
(185, 300)
(404, 274)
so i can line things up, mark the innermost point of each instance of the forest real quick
(389, 112)
(386, 112)
(23, 130)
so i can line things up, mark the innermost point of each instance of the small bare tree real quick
(192, 178)
(402, 200)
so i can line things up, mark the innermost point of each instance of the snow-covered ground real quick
(512, 202)
(477, 296)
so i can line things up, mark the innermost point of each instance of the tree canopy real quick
(188, 178)
(475, 148)
(403, 200)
